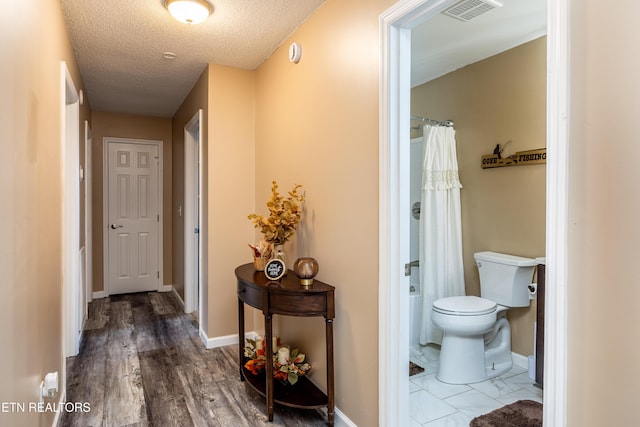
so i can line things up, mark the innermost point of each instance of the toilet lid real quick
(465, 306)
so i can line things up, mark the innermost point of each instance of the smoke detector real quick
(466, 10)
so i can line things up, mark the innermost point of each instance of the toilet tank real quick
(504, 278)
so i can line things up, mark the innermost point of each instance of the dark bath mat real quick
(415, 369)
(523, 413)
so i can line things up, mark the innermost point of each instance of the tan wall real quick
(129, 126)
(500, 99)
(196, 99)
(231, 189)
(33, 40)
(338, 132)
(317, 125)
(604, 209)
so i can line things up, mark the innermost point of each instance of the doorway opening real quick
(395, 27)
(192, 214)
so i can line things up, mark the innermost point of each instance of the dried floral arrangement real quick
(284, 215)
(262, 249)
(287, 365)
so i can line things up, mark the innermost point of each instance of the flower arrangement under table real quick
(287, 365)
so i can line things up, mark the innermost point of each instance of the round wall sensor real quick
(295, 51)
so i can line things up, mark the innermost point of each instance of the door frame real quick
(88, 211)
(395, 62)
(192, 146)
(69, 136)
(105, 206)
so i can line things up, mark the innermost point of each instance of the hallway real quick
(142, 363)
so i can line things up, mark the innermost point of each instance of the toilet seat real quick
(465, 306)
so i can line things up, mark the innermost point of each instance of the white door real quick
(133, 217)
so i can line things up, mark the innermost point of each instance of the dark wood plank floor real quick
(142, 363)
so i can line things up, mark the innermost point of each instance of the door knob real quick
(114, 226)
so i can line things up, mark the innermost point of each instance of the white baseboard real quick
(223, 340)
(165, 288)
(177, 295)
(520, 360)
(97, 295)
(340, 419)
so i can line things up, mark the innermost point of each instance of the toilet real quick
(476, 342)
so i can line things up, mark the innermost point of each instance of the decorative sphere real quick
(306, 269)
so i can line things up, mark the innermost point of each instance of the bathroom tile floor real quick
(437, 404)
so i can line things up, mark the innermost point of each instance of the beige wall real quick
(231, 189)
(134, 127)
(227, 96)
(317, 125)
(196, 100)
(499, 99)
(33, 41)
(330, 145)
(604, 209)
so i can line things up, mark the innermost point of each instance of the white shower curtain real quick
(441, 267)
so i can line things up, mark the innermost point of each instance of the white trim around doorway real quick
(105, 214)
(73, 300)
(193, 183)
(395, 61)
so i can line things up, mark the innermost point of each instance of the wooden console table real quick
(286, 297)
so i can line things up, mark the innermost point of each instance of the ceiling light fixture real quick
(188, 11)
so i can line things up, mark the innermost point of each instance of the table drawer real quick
(298, 305)
(250, 295)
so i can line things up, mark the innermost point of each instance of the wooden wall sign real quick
(521, 158)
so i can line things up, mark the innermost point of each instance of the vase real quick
(306, 269)
(278, 253)
(259, 263)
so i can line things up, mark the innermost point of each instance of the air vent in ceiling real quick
(466, 10)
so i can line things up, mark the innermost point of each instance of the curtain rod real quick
(448, 123)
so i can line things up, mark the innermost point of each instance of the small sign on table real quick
(275, 269)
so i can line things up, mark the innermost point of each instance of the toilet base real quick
(468, 359)
(457, 352)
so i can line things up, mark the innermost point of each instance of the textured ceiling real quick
(119, 46)
(444, 44)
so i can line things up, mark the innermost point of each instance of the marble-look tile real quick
(521, 394)
(496, 387)
(515, 370)
(425, 407)
(439, 389)
(413, 386)
(454, 420)
(416, 356)
(431, 352)
(522, 380)
(473, 403)
(467, 401)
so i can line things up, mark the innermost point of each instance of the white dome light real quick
(188, 11)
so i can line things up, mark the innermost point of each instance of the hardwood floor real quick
(142, 363)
